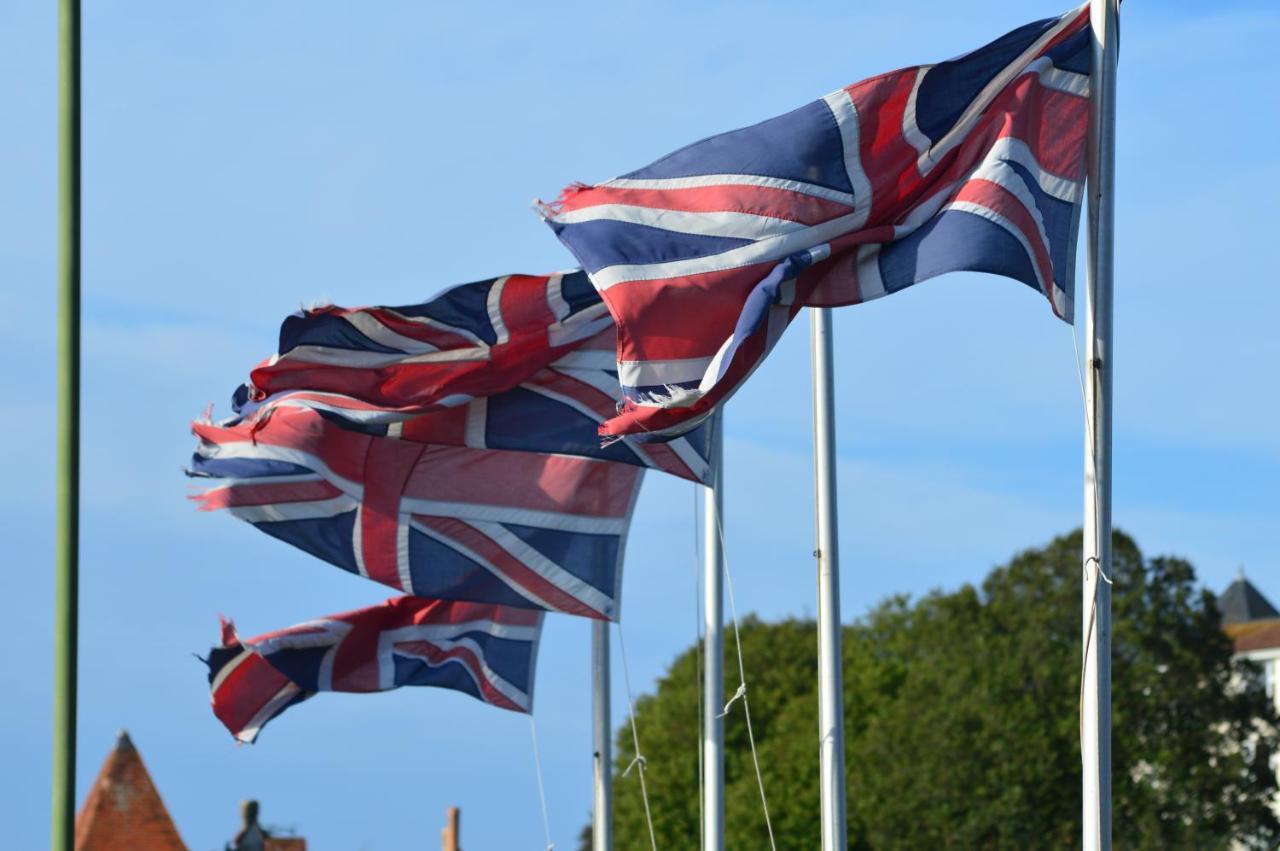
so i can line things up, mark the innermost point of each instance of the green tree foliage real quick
(962, 722)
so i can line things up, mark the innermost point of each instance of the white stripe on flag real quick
(372, 360)
(1015, 150)
(494, 305)
(582, 325)
(403, 566)
(281, 511)
(477, 419)
(764, 251)
(478, 513)
(846, 114)
(870, 283)
(586, 359)
(266, 451)
(357, 544)
(723, 223)
(227, 669)
(910, 130)
(555, 298)
(435, 324)
(382, 335)
(664, 184)
(647, 373)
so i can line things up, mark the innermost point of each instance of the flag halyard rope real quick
(542, 793)
(639, 761)
(741, 692)
(1090, 444)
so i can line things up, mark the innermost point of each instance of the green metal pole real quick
(67, 545)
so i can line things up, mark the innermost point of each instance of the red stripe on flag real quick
(388, 466)
(666, 460)
(1020, 112)
(420, 384)
(600, 404)
(356, 663)
(245, 691)
(523, 480)
(524, 307)
(683, 317)
(418, 329)
(448, 427)
(605, 341)
(416, 611)
(725, 198)
(254, 493)
(1058, 143)
(887, 156)
(644, 418)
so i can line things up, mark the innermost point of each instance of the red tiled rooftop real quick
(123, 811)
(1255, 635)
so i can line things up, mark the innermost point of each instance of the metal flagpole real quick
(66, 554)
(602, 807)
(713, 646)
(830, 672)
(1095, 722)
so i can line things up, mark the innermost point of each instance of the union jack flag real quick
(488, 652)
(449, 522)
(472, 340)
(705, 256)
(557, 409)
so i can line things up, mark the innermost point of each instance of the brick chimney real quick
(253, 837)
(452, 833)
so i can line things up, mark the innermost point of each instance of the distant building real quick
(1254, 627)
(253, 837)
(124, 812)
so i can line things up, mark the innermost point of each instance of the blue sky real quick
(242, 158)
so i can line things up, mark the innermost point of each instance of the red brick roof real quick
(1255, 635)
(123, 811)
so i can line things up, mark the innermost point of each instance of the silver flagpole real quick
(1095, 722)
(830, 672)
(713, 646)
(602, 804)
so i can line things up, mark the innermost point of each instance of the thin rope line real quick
(742, 681)
(639, 761)
(542, 794)
(1091, 445)
(697, 652)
